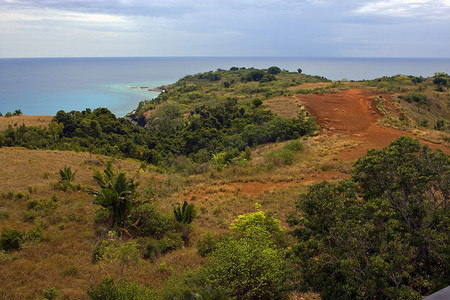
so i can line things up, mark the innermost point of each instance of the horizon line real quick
(229, 57)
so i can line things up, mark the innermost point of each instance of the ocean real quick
(43, 86)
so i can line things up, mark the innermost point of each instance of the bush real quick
(294, 146)
(207, 244)
(280, 157)
(35, 234)
(248, 268)
(11, 240)
(417, 98)
(70, 271)
(149, 221)
(168, 243)
(51, 293)
(268, 78)
(108, 289)
(440, 125)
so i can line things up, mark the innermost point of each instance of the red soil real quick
(353, 113)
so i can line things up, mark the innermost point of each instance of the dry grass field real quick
(69, 238)
(15, 121)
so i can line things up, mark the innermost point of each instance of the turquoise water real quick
(43, 86)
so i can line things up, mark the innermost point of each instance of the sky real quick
(280, 28)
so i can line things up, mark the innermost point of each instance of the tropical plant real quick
(117, 196)
(66, 175)
(184, 214)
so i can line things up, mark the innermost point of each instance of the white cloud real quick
(407, 8)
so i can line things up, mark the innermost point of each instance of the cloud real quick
(217, 27)
(406, 8)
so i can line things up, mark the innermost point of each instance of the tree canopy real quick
(384, 233)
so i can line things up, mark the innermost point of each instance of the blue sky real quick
(293, 28)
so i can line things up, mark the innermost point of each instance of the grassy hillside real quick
(249, 153)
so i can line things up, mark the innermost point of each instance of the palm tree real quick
(117, 195)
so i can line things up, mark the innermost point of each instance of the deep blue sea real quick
(43, 86)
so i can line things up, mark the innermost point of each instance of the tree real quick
(412, 177)
(440, 81)
(256, 75)
(384, 233)
(268, 78)
(117, 196)
(299, 71)
(249, 264)
(274, 70)
(56, 129)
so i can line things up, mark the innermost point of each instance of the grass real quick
(69, 236)
(15, 121)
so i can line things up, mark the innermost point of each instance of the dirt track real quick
(353, 113)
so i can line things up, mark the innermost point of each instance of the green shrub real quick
(280, 157)
(248, 268)
(35, 234)
(51, 293)
(39, 207)
(149, 221)
(207, 244)
(11, 240)
(440, 125)
(168, 243)
(267, 78)
(108, 289)
(8, 195)
(70, 271)
(294, 146)
(29, 215)
(418, 98)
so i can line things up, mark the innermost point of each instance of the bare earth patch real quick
(353, 113)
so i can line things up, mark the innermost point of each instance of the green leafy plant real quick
(114, 256)
(66, 179)
(66, 175)
(11, 240)
(249, 267)
(121, 289)
(184, 214)
(117, 196)
(51, 293)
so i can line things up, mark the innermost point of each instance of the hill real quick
(63, 229)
